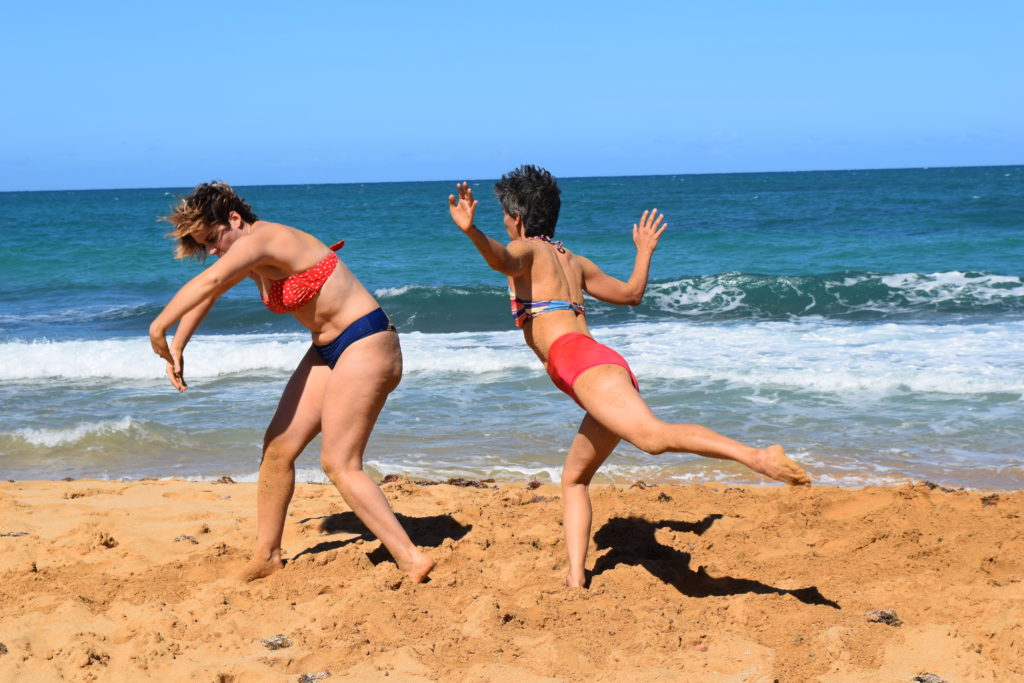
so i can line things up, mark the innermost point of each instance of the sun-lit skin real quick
(341, 404)
(615, 409)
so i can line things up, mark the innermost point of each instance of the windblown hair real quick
(531, 192)
(208, 206)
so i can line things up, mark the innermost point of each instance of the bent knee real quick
(570, 479)
(651, 441)
(337, 469)
(280, 451)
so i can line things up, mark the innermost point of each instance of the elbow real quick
(635, 299)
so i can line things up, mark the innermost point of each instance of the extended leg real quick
(356, 391)
(590, 448)
(607, 393)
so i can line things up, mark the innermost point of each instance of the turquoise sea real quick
(870, 321)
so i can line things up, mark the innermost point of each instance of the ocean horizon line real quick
(561, 178)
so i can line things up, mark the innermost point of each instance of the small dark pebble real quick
(3, 649)
(928, 678)
(990, 501)
(884, 616)
(640, 485)
(388, 478)
(425, 482)
(664, 497)
(15, 533)
(69, 478)
(538, 499)
(276, 642)
(225, 480)
(932, 485)
(533, 485)
(318, 676)
(190, 539)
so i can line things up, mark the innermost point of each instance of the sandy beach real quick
(105, 580)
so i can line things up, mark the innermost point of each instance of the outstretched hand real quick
(463, 210)
(647, 233)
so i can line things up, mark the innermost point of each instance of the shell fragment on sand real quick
(276, 642)
(884, 616)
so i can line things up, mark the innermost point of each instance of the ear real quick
(234, 220)
(520, 225)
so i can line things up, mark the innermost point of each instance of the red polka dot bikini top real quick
(295, 291)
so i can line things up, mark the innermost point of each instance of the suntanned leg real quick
(590, 448)
(295, 423)
(607, 393)
(356, 391)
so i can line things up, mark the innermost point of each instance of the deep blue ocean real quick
(870, 321)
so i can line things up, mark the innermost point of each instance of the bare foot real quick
(572, 581)
(258, 568)
(773, 462)
(418, 568)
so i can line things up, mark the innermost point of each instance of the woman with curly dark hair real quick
(546, 286)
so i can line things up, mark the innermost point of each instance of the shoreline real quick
(118, 580)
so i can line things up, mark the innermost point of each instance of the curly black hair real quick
(531, 192)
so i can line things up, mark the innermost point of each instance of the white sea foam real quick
(805, 355)
(610, 473)
(50, 438)
(939, 287)
(898, 292)
(392, 291)
(831, 358)
(131, 357)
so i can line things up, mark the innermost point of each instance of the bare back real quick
(554, 273)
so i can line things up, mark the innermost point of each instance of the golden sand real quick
(125, 581)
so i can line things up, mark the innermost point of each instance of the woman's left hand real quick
(647, 233)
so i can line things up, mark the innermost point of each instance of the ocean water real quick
(870, 321)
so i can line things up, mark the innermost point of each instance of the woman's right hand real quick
(464, 210)
(176, 369)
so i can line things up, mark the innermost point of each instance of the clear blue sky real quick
(113, 95)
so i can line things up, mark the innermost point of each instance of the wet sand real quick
(125, 581)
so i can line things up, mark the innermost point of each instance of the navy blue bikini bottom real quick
(371, 323)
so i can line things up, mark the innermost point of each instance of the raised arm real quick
(600, 285)
(507, 261)
(229, 270)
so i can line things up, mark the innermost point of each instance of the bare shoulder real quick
(522, 249)
(271, 230)
(584, 264)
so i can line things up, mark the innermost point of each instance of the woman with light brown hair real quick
(339, 386)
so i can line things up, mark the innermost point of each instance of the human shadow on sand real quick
(424, 531)
(632, 542)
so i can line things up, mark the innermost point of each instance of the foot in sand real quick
(573, 581)
(418, 567)
(259, 567)
(773, 462)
